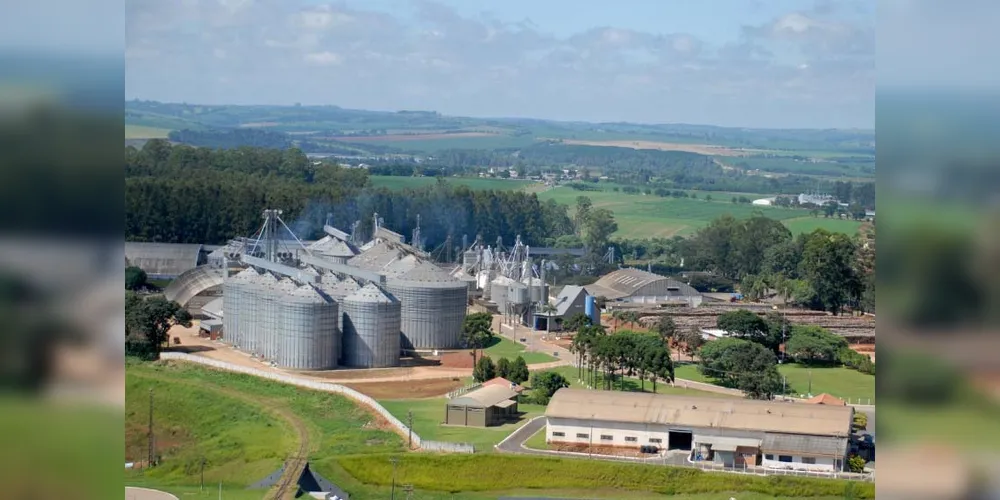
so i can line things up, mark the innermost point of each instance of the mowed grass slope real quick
(244, 427)
(476, 183)
(428, 417)
(645, 216)
(500, 347)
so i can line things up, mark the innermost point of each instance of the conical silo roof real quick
(429, 275)
(370, 293)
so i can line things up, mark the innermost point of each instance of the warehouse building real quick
(730, 432)
(638, 286)
(485, 407)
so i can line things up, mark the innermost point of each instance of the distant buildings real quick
(638, 286)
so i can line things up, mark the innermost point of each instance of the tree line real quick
(608, 359)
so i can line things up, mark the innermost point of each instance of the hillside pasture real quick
(800, 225)
(645, 216)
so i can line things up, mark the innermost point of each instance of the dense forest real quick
(183, 194)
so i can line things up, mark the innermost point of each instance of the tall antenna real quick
(416, 243)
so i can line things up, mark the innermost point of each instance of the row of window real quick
(608, 437)
(788, 458)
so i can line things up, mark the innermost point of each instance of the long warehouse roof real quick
(737, 414)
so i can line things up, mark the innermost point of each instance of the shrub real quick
(857, 361)
(856, 463)
(861, 420)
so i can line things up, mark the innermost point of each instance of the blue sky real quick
(753, 63)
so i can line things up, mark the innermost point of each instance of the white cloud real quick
(481, 66)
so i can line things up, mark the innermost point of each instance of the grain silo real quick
(307, 334)
(517, 294)
(371, 334)
(538, 291)
(433, 307)
(498, 291)
(273, 310)
(234, 320)
(265, 312)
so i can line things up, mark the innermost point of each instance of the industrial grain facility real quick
(636, 285)
(488, 406)
(731, 432)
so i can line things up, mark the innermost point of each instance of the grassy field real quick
(244, 427)
(466, 142)
(503, 348)
(143, 132)
(487, 472)
(644, 216)
(428, 414)
(398, 182)
(632, 384)
(537, 440)
(809, 224)
(842, 382)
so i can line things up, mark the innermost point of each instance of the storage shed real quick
(484, 407)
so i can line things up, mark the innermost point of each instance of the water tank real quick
(433, 306)
(517, 294)
(307, 333)
(498, 291)
(371, 335)
(591, 310)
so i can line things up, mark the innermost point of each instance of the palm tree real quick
(630, 317)
(617, 315)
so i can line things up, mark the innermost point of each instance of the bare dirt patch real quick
(457, 359)
(410, 389)
(408, 137)
(705, 149)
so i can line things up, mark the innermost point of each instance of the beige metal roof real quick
(627, 282)
(736, 414)
(485, 397)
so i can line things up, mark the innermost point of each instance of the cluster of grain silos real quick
(359, 311)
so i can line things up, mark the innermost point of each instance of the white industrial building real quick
(730, 432)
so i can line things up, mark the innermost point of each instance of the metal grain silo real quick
(255, 289)
(273, 311)
(538, 291)
(307, 334)
(371, 334)
(264, 313)
(233, 296)
(498, 291)
(433, 307)
(517, 294)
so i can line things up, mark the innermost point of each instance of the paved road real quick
(132, 493)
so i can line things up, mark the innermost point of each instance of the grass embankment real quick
(475, 183)
(839, 381)
(537, 441)
(428, 417)
(243, 427)
(645, 216)
(453, 473)
(500, 347)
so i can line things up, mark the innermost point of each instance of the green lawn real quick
(144, 132)
(399, 182)
(537, 440)
(844, 383)
(644, 216)
(501, 347)
(809, 224)
(428, 414)
(632, 384)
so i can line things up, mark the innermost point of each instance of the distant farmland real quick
(143, 132)
(705, 149)
(398, 182)
(646, 216)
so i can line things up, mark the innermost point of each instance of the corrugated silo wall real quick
(230, 313)
(307, 333)
(431, 316)
(252, 317)
(371, 337)
(271, 309)
(498, 294)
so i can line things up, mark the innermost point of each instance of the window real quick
(631, 439)
(784, 458)
(582, 436)
(558, 434)
(655, 440)
(809, 460)
(769, 457)
(607, 437)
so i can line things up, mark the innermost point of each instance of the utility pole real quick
(150, 444)
(409, 425)
(394, 461)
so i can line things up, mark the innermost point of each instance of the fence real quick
(299, 382)
(447, 447)
(458, 392)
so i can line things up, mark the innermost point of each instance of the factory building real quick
(572, 300)
(730, 432)
(638, 286)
